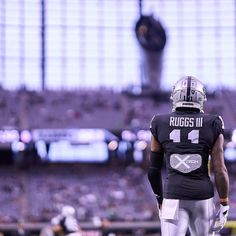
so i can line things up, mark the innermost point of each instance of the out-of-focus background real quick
(79, 83)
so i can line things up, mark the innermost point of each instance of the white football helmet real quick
(188, 92)
(67, 211)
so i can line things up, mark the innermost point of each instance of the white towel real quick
(169, 209)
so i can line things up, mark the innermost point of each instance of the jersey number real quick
(193, 136)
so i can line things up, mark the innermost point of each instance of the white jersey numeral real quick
(175, 135)
(193, 136)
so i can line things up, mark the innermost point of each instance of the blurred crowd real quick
(112, 193)
(101, 191)
(103, 108)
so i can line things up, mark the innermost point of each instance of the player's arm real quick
(154, 171)
(219, 170)
(221, 181)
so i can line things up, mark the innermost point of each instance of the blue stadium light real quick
(18, 146)
(140, 145)
(230, 151)
(128, 135)
(9, 136)
(144, 135)
(233, 137)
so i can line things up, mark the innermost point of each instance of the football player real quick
(66, 223)
(185, 139)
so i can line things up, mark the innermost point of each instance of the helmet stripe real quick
(188, 88)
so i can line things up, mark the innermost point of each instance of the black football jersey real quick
(187, 138)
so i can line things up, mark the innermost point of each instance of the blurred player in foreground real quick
(185, 139)
(64, 224)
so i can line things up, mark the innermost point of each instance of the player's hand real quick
(221, 218)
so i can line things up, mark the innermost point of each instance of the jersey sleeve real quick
(218, 125)
(153, 126)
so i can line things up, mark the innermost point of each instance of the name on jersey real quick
(186, 121)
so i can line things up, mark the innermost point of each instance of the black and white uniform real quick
(187, 138)
(68, 224)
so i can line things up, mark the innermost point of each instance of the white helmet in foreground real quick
(67, 211)
(188, 92)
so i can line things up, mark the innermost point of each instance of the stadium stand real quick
(102, 192)
(115, 194)
(101, 108)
